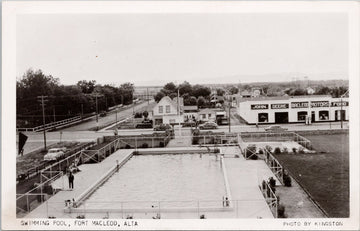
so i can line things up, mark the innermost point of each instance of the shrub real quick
(161, 144)
(144, 145)
(250, 152)
(268, 148)
(277, 150)
(237, 156)
(285, 150)
(202, 216)
(281, 211)
(261, 151)
(287, 180)
(301, 150)
(294, 150)
(216, 150)
(127, 146)
(272, 183)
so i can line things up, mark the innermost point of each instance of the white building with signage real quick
(293, 109)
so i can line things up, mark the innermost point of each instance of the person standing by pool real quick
(71, 180)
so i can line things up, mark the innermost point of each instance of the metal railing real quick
(51, 125)
(270, 197)
(158, 209)
(28, 201)
(34, 171)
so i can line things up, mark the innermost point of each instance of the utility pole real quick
(97, 111)
(42, 100)
(54, 113)
(82, 110)
(229, 115)
(147, 95)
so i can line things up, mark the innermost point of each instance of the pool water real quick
(167, 177)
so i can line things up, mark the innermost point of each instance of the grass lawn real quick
(325, 174)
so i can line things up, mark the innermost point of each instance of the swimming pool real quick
(175, 180)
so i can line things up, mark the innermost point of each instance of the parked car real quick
(55, 154)
(222, 121)
(275, 128)
(144, 125)
(103, 113)
(208, 125)
(162, 127)
(189, 124)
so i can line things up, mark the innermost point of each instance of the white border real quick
(8, 149)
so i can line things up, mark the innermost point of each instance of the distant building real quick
(310, 91)
(169, 111)
(245, 94)
(293, 109)
(191, 113)
(207, 114)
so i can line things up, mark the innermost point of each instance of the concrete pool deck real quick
(243, 176)
(89, 174)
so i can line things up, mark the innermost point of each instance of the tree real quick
(86, 87)
(323, 90)
(145, 114)
(185, 88)
(169, 88)
(233, 90)
(127, 91)
(159, 96)
(173, 95)
(220, 92)
(190, 100)
(199, 90)
(201, 101)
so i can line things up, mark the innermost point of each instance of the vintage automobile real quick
(55, 154)
(144, 125)
(208, 125)
(163, 127)
(188, 124)
(275, 128)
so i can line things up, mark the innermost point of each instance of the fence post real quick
(135, 142)
(152, 142)
(159, 209)
(27, 203)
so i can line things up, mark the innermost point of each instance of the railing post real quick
(152, 142)
(135, 142)
(27, 203)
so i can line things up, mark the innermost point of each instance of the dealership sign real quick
(319, 104)
(338, 104)
(279, 106)
(259, 106)
(304, 104)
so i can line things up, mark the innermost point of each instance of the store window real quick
(167, 108)
(161, 109)
(263, 117)
(301, 115)
(323, 115)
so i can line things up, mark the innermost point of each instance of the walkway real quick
(182, 138)
(89, 174)
(244, 177)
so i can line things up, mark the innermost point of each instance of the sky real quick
(153, 49)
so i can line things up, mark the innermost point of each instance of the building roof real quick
(207, 111)
(191, 108)
(284, 97)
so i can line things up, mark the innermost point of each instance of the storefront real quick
(297, 109)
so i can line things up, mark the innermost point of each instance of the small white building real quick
(293, 109)
(169, 111)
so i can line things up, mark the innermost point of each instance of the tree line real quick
(64, 101)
